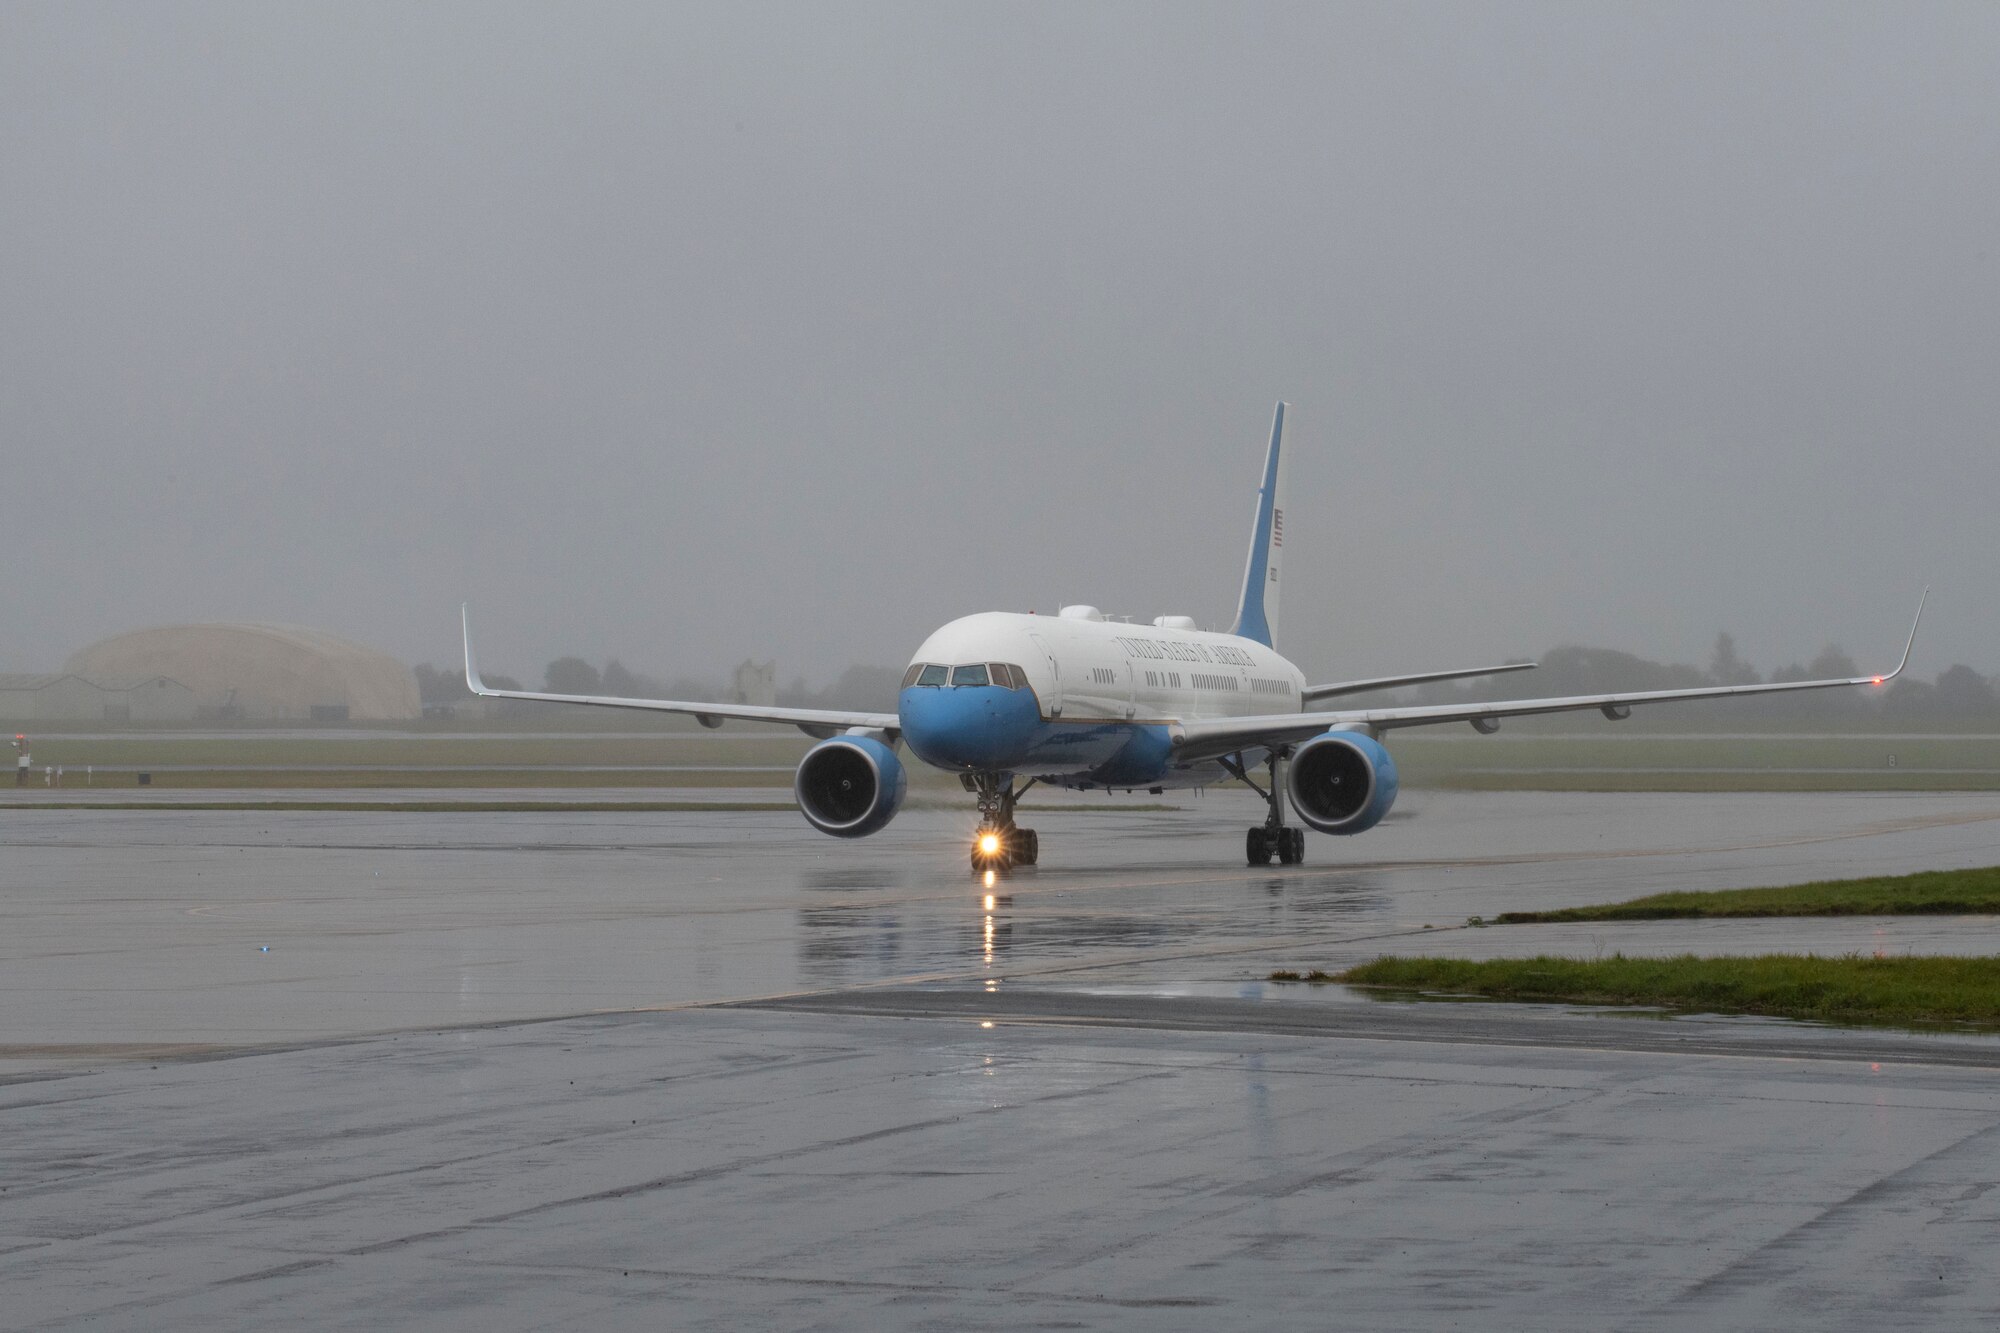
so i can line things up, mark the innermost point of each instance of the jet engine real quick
(1342, 782)
(850, 786)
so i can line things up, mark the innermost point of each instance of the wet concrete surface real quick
(231, 927)
(851, 1092)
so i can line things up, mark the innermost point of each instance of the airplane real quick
(1085, 701)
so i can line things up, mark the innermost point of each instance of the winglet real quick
(1911, 643)
(472, 680)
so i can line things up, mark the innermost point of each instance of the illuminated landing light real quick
(989, 844)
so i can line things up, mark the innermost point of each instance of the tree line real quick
(1957, 692)
(867, 688)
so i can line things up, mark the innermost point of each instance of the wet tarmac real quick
(848, 1085)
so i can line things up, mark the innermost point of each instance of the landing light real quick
(989, 844)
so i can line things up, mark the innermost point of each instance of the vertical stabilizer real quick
(1257, 613)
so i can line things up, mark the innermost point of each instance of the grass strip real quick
(1846, 989)
(1929, 892)
(419, 807)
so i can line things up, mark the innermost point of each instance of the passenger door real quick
(1052, 696)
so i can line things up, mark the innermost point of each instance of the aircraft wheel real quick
(1257, 847)
(1298, 840)
(1288, 852)
(1027, 848)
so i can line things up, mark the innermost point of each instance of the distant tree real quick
(439, 687)
(686, 687)
(1726, 668)
(572, 675)
(620, 682)
(1963, 692)
(873, 688)
(1832, 662)
(1910, 699)
(1575, 670)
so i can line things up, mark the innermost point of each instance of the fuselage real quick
(1081, 701)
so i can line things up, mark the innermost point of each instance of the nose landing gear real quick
(1273, 837)
(999, 844)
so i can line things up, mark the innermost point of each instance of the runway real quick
(355, 1067)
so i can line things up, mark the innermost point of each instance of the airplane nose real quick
(973, 728)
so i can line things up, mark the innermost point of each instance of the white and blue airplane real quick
(1085, 701)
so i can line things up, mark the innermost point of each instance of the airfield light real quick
(989, 844)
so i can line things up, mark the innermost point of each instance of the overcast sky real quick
(687, 333)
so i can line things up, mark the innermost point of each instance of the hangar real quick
(254, 671)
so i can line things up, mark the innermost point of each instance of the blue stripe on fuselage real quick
(990, 729)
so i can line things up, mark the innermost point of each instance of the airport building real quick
(68, 697)
(257, 672)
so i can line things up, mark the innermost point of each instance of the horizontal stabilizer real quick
(1205, 739)
(1313, 692)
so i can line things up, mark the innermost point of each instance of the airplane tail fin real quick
(1257, 612)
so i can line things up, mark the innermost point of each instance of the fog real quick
(680, 334)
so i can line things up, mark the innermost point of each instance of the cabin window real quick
(970, 675)
(934, 675)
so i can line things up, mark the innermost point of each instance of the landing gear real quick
(999, 844)
(1272, 837)
(1260, 844)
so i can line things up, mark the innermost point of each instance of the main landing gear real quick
(999, 844)
(1273, 837)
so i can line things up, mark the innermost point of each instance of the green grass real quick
(1930, 892)
(1585, 758)
(1848, 989)
(1608, 759)
(391, 779)
(422, 807)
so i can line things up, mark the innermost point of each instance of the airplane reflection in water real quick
(842, 945)
(1084, 701)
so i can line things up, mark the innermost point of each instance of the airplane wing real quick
(1316, 692)
(821, 722)
(1195, 741)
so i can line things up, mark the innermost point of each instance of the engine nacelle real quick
(1342, 782)
(850, 786)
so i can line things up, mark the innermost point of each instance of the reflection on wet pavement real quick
(225, 927)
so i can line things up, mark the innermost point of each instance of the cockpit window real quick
(933, 675)
(910, 676)
(970, 675)
(1002, 674)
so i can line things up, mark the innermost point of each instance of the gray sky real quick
(685, 333)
